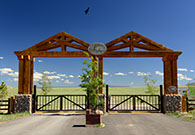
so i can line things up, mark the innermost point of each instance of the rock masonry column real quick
(23, 103)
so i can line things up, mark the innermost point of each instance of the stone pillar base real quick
(172, 103)
(23, 103)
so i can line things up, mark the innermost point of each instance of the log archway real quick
(63, 40)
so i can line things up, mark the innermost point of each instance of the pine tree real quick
(3, 91)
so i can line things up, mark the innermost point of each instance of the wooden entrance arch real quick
(130, 40)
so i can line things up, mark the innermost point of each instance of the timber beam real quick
(141, 53)
(107, 54)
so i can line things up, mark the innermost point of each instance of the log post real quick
(9, 104)
(170, 73)
(101, 72)
(25, 74)
(12, 104)
(174, 72)
(63, 47)
(21, 74)
(184, 104)
(31, 74)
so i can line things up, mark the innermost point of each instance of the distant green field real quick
(78, 90)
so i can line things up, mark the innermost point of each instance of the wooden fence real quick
(190, 104)
(5, 105)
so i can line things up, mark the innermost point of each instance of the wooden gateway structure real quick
(63, 40)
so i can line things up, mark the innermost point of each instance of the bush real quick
(3, 91)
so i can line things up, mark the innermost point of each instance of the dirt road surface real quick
(115, 124)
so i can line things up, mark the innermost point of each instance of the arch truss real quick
(138, 46)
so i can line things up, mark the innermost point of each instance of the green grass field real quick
(78, 90)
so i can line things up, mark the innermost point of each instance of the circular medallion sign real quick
(97, 48)
(172, 89)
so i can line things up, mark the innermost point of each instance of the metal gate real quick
(134, 103)
(60, 102)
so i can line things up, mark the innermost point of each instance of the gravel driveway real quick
(116, 124)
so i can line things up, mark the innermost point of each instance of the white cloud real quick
(68, 82)
(1, 58)
(78, 76)
(62, 79)
(142, 74)
(188, 79)
(54, 77)
(57, 81)
(182, 69)
(159, 73)
(105, 73)
(131, 83)
(191, 70)
(47, 72)
(6, 70)
(120, 73)
(130, 72)
(63, 75)
(183, 77)
(15, 74)
(179, 75)
(37, 76)
(40, 61)
(71, 76)
(15, 79)
(66, 76)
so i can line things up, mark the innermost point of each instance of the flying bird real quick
(87, 10)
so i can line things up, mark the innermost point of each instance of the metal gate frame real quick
(130, 103)
(157, 106)
(62, 104)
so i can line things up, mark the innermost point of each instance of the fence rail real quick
(5, 105)
(190, 104)
(134, 102)
(60, 102)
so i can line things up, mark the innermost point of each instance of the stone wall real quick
(172, 103)
(23, 103)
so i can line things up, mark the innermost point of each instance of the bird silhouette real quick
(87, 10)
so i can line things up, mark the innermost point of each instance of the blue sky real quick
(25, 23)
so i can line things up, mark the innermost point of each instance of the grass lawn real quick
(8, 117)
(190, 116)
(112, 90)
(78, 90)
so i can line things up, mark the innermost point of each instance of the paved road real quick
(116, 124)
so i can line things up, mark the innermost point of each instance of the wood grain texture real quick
(184, 107)
(21, 76)
(49, 43)
(174, 74)
(26, 84)
(149, 41)
(118, 40)
(107, 54)
(31, 75)
(43, 42)
(100, 66)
